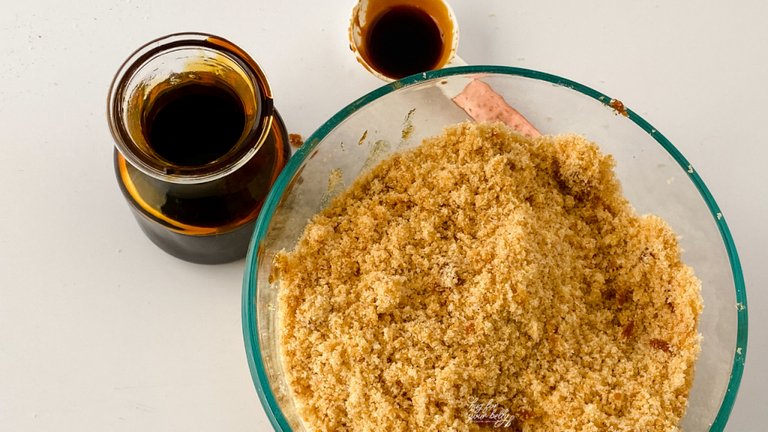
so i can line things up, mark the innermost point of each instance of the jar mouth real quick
(182, 64)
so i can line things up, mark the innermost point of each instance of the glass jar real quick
(198, 144)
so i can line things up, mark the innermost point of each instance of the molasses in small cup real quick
(396, 38)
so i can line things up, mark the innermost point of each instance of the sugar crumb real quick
(295, 140)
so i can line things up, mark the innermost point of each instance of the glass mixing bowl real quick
(656, 179)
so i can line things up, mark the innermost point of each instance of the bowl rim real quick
(249, 315)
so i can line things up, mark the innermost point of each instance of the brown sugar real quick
(295, 140)
(618, 106)
(486, 267)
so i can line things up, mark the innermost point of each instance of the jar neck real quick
(159, 82)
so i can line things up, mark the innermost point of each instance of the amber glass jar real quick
(198, 144)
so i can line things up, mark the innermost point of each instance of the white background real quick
(101, 331)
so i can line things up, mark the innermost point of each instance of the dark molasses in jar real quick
(198, 144)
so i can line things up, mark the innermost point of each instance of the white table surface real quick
(102, 331)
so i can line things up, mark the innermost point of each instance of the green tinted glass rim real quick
(249, 315)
